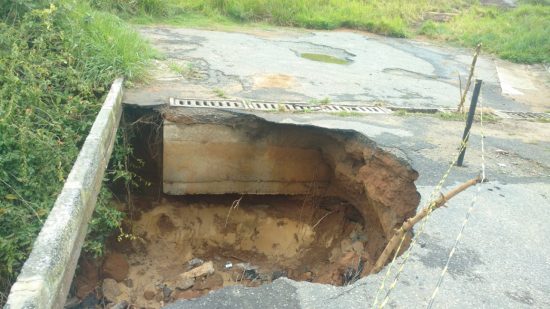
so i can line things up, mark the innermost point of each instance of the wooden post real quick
(469, 121)
(469, 81)
(409, 223)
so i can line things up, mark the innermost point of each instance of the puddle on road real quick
(324, 58)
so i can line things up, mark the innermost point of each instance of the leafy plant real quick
(56, 63)
(158, 8)
(220, 93)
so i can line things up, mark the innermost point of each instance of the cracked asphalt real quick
(503, 258)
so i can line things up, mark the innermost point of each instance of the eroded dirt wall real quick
(378, 183)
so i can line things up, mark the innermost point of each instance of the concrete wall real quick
(216, 159)
(46, 276)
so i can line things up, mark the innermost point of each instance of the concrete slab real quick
(245, 162)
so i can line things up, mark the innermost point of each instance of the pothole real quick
(320, 53)
(324, 58)
(237, 200)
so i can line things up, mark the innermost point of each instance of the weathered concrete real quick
(266, 65)
(46, 276)
(219, 151)
(216, 159)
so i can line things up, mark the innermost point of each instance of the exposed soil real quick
(301, 238)
(185, 246)
(274, 81)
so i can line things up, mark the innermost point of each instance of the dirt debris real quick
(332, 232)
(115, 267)
(87, 283)
(264, 240)
(274, 81)
(114, 291)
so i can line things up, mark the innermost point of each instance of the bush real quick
(156, 8)
(56, 64)
(13, 10)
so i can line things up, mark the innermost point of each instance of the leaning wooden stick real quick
(409, 223)
(469, 81)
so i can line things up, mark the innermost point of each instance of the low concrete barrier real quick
(46, 276)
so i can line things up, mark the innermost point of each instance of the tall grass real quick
(391, 17)
(138, 7)
(110, 46)
(519, 35)
(56, 63)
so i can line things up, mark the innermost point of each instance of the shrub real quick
(157, 8)
(56, 64)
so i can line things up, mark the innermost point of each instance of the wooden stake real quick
(409, 223)
(469, 82)
(469, 122)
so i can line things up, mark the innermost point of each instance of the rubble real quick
(110, 290)
(195, 262)
(203, 270)
(184, 283)
(115, 267)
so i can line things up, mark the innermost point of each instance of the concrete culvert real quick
(260, 200)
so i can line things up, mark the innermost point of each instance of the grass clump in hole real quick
(323, 101)
(347, 114)
(454, 116)
(220, 93)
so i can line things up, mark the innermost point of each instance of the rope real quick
(430, 204)
(467, 217)
(423, 225)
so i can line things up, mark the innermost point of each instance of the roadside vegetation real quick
(521, 34)
(384, 17)
(57, 61)
(518, 34)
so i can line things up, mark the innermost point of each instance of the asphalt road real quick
(503, 259)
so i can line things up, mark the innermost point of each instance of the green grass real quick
(177, 68)
(519, 35)
(323, 101)
(448, 116)
(347, 114)
(56, 64)
(454, 116)
(220, 93)
(391, 17)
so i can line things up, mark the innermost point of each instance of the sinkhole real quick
(236, 200)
